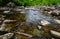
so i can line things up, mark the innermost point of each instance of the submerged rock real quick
(32, 15)
(36, 32)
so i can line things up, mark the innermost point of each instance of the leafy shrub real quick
(3, 2)
(31, 2)
(36, 2)
(26, 2)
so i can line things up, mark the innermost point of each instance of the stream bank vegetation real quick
(31, 2)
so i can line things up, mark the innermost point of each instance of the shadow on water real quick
(34, 15)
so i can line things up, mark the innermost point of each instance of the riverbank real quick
(14, 19)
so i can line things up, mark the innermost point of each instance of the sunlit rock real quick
(55, 33)
(53, 38)
(44, 22)
(2, 28)
(23, 12)
(9, 20)
(55, 13)
(6, 36)
(50, 12)
(48, 8)
(9, 35)
(17, 10)
(6, 11)
(58, 21)
(39, 27)
(28, 35)
(31, 8)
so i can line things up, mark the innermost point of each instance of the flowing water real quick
(34, 16)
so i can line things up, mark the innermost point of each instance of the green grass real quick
(32, 2)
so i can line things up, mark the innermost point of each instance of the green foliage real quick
(31, 2)
(26, 2)
(0, 1)
(35, 2)
(3, 2)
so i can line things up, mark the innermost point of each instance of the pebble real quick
(44, 22)
(17, 10)
(39, 27)
(9, 20)
(6, 11)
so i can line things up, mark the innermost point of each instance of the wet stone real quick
(11, 4)
(3, 8)
(55, 33)
(44, 22)
(33, 16)
(6, 11)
